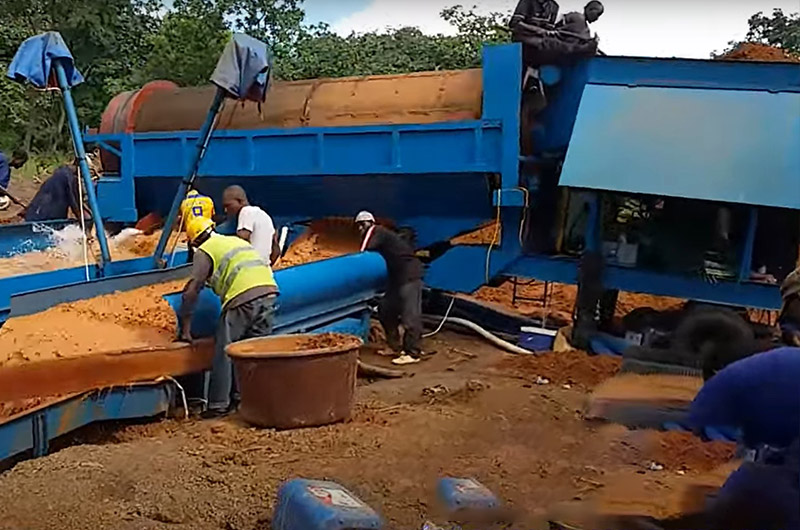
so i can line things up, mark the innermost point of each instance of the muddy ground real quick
(466, 412)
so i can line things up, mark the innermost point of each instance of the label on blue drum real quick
(335, 497)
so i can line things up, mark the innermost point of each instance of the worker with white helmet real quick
(246, 286)
(402, 303)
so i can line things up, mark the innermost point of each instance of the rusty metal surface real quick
(424, 97)
(284, 388)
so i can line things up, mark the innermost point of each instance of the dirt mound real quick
(573, 367)
(682, 451)
(753, 51)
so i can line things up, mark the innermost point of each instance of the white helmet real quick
(365, 216)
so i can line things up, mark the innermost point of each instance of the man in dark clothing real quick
(402, 303)
(529, 11)
(577, 24)
(18, 160)
(56, 197)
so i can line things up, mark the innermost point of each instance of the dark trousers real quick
(246, 321)
(402, 304)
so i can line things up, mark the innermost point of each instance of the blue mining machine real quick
(663, 176)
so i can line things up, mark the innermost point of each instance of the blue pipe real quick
(183, 187)
(80, 154)
(312, 295)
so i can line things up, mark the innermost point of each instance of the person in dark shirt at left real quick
(57, 196)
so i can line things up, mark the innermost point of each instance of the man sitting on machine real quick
(549, 42)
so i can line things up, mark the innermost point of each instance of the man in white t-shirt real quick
(253, 224)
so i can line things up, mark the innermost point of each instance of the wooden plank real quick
(89, 372)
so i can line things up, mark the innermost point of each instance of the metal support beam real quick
(80, 154)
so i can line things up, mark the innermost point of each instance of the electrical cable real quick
(494, 237)
(441, 324)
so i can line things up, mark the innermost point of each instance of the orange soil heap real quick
(752, 51)
(118, 321)
(682, 450)
(573, 367)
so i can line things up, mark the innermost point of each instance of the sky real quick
(654, 28)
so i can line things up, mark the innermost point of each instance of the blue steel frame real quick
(329, 295)
(463, 150)
(465, 268)
(34, 430)
(259, 159)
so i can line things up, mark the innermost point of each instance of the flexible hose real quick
(497, 341)
(444, 319)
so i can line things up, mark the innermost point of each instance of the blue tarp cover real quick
(243, 69)
(34, 57)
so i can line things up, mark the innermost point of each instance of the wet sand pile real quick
(118, 321)
(323, 239)
(307, 249)
(485, 235)
(323, 340)
(753, 51)
(572, 367)
(561, 300)
(68, 253)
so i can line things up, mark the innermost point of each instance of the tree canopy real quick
(122, 44)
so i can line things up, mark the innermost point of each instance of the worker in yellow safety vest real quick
(247, 289)
(196, 205)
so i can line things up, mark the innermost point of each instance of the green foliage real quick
(121, 44)
(779, 30)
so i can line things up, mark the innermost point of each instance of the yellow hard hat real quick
(196, 226)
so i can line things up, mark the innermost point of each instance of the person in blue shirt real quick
(57, 197)
(17, 160)
(759, 396)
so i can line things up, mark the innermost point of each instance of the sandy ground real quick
(468, 411)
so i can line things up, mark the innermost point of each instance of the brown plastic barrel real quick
(291, 381)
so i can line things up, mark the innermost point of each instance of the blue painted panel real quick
(271, 155)
(502, 97)
(436, 206)
(451, 146)
(731, 146)
(35, 430)
(689, 73)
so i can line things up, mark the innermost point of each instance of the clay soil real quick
(117, 321)
(751, 51)
(528, 443)
(561, 300)
(569, 368)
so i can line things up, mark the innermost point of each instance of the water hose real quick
(490, 337)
